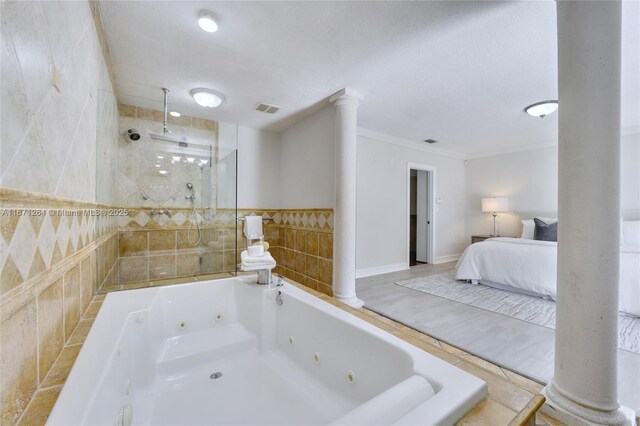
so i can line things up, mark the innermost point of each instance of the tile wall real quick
(302, 245)
(160, 170)
(58, 114)
(152, 248)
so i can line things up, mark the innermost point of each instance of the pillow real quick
(545, 231)
(528, 226)
(631, 232)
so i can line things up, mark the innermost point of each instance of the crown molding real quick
(406, 143)
(419, 146)
(510, 149)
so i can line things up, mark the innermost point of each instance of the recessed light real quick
(207, 21)
(175, 114)
(541, 109)
(162, 172)
(207, 98)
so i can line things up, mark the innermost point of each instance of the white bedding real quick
(530, 265)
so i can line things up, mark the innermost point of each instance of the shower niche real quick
(176, 188)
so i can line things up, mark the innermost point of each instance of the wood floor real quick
(525, 348)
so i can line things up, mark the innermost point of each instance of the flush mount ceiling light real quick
(207, 21)
(207, 98)
(175, 114)
(541, 109)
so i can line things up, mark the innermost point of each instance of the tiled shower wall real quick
(50, 235)
(157, 248)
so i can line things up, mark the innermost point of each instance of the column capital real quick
(346, 94)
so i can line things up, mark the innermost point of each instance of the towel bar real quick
(264, 219)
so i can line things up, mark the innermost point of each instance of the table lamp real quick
(495, 206)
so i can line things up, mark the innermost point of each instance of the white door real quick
(422, 217)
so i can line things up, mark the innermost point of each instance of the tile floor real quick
(517, 345)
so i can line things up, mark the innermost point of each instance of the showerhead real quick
(190, 185)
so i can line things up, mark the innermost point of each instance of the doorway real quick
(421, 215)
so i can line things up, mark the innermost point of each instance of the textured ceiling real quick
(458, 72)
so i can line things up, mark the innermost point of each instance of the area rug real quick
(531, 309)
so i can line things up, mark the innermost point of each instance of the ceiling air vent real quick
(430, 140)
(269, 109)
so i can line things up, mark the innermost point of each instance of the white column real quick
(344, 214)
(584, 386)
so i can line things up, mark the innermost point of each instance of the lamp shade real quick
(495, 205)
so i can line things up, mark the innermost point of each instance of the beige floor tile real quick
(500, 389)
(40, 407)
(488, 413)
(523, 382)
(433, 350)
(492, 368)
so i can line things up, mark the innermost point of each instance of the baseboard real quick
(377, 270)
(447, 258)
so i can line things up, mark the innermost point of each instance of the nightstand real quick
(478, 238)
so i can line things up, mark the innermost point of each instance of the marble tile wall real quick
(53, 257)
(58, 115)
(160, 170)
(48, 141)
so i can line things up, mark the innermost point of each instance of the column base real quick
(559, 406)
(352, 301)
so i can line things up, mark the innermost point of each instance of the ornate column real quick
(344, 228)
(584, 386)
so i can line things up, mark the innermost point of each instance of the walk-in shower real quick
(177, 183)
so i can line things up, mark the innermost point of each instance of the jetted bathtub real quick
(233, 352)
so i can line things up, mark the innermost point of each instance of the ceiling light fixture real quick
(541, 109)
(175, 114)
(207, 98)
(207, 21)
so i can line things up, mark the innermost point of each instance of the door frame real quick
(431, 209)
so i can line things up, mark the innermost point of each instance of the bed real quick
(529, 266)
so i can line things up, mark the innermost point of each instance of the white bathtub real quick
(151, 353)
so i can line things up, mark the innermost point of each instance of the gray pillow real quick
(545, 231)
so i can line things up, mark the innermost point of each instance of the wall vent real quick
(430, 140)
(269, 109)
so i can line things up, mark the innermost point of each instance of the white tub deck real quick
(305, 362)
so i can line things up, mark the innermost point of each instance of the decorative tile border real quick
(158, 116)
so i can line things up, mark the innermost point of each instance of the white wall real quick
(307, 162)
(258, 169)
(382, 205)
(530, 180)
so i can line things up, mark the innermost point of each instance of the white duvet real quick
(530, 265)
